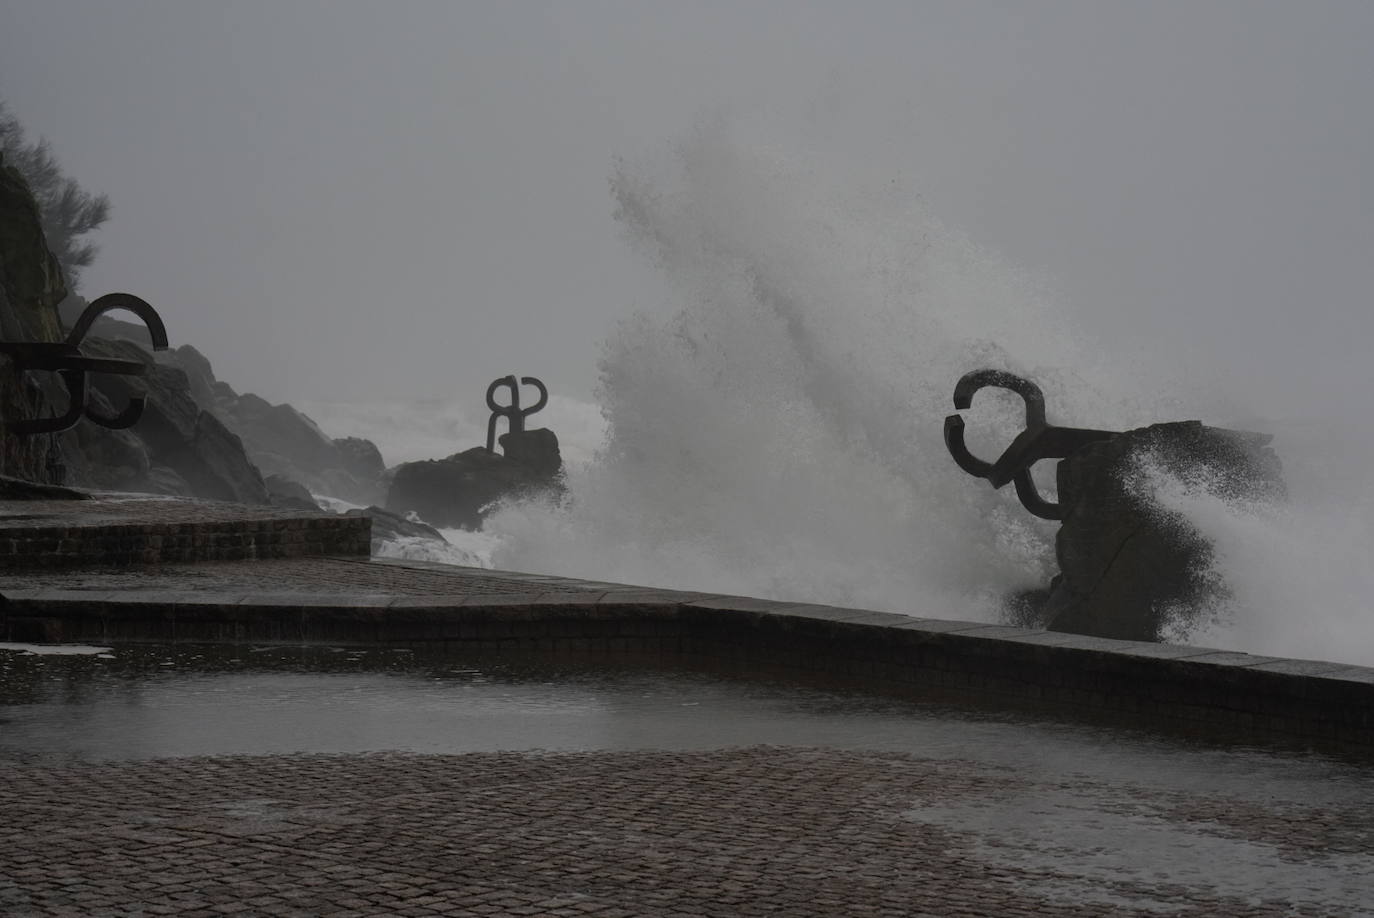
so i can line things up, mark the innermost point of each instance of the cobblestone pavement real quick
(741, 832)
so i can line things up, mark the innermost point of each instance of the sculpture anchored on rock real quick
(513, 413)
(460, 490)
(1040, 439)
(1128, 568)
(71, 365)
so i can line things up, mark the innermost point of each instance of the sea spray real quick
(776, 429)
(1297, 574)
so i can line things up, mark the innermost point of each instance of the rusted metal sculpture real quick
(513, 413)
(1040, 439)
(65, 359)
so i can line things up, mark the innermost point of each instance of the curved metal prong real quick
(510, 412)
(1030, 393)
(508, 381)
(125, 419)
(954, 442)
(543, 394)
(75, 383)
(111, 301)
(1031, 499)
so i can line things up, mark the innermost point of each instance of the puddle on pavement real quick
(1089, 804)
(147, 701)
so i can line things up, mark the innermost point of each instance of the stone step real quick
(126, 529)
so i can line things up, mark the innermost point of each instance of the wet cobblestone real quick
(741, 832)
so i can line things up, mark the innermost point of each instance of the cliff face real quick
(199, 437)
(30, 288)
(283, 442)
(175, 448)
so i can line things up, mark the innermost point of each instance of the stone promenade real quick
(734, 832)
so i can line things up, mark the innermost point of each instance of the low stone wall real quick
(1239, 695)
(151, 543)
(120, 531)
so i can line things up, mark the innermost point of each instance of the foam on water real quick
(774, 429)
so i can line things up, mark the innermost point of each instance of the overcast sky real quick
(342, 199)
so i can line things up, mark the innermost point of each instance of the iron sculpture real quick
(513, 413)
(66, 360)
(1040, 439)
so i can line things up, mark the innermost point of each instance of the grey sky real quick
(337, 199)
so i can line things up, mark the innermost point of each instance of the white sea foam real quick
(415, 548)
(1298, 574)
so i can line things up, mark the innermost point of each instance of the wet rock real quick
(533, 450)
(109, 460)
(31, 286)
(459, 491)
(288, 493)
(162, 480)
(360, 458)
(31, 282)
(283, 441)
(388, 527)
(1129, 569)
(175, 431)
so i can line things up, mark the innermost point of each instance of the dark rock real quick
(535, 450)
(460, 490)
(175, 431)
(200, 377)
(1129, 569)
(31, 287)
(360, 458)
(162, 480)
(276, 439)
(110, 460)
(388, 526)
(283, 441)
(31, 282)
(221, 465)
(288, 493)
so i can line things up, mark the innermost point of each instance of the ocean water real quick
(773, 426)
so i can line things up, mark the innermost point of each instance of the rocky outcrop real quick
(196, 437)
(389, 527)
(31, 283)
(1129, 569)
(284, 442)
(276, 439)
(457, 492)
(30, 288)
(288, 493)
(176, 444)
